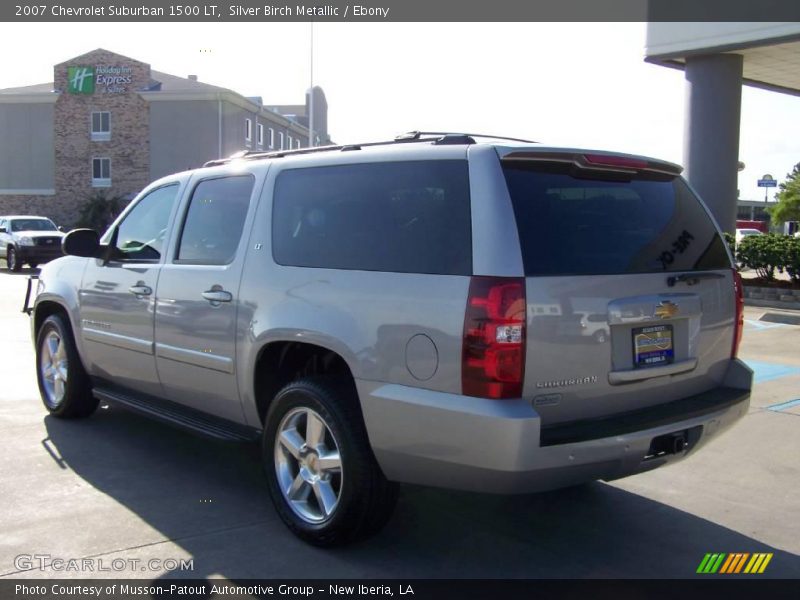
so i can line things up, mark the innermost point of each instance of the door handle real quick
(140, 290)
(217, 296)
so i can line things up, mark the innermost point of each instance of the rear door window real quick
(404, 217)
(571, 225)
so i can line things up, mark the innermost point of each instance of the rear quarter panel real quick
(367, 317)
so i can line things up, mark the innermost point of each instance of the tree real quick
(99, 210)
(788, 206)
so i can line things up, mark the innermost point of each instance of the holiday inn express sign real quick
(98, 79)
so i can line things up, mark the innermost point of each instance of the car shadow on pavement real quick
(210, 499)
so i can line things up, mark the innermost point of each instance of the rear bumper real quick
(453, 441)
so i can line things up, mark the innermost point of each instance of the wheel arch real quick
(46, 307)
(279, 362)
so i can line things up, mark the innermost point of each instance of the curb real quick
(784, 318)
(772, 304)
(771, 297)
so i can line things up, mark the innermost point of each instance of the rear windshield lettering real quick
(679, 246)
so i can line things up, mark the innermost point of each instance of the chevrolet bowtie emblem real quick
(666, 310)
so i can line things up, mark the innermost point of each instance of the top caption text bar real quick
(400, 10)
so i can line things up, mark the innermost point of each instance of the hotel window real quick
(101, 126)
(280, 139)
(248, 130)
(101, 172)
(271, 138)
(260, 138)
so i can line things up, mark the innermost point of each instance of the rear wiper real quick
(692, 278)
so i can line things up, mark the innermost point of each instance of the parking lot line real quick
(784, 405)
(761, 326)
(764, 371)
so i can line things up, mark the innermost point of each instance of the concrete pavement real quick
(117, 488)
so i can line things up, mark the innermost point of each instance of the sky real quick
(575, 84)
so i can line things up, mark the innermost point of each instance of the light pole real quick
(311, 94)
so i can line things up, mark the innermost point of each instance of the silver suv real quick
(496, 316)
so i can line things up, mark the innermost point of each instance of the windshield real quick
(33, 225)
(571, 224)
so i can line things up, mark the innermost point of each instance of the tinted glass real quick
(33, 225)
(404, 217)
(215, 220)
(140, 236)
(573, 225)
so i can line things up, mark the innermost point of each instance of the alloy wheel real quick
(53, 367)
(308, 465)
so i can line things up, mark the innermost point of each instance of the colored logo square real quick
(80, 80)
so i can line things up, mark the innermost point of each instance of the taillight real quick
(609, 160)
(739, 323)
(493, 359)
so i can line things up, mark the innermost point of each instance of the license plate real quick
(652, 346)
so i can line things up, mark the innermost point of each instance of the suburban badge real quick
(541, 385)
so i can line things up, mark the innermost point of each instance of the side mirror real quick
(82, 242)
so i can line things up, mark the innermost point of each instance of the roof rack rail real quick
(436, 137)
(416, 135)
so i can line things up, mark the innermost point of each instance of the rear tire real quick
(63, 383)
(322, 476)
(12, 261)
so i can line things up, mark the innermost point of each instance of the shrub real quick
(730, 239)
(763, 253)
(791, 260)
(99, 211)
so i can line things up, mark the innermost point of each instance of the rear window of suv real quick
(573, 223)
(403, 217)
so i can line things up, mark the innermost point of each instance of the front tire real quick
(63, 383)
(12, 261)
(322, 476)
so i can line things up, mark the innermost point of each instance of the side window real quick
(403, 217)
(215, 220)
(140, 236)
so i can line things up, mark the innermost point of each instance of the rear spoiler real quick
(596, 161)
